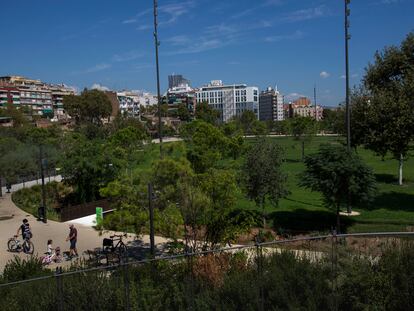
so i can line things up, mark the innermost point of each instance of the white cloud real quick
(144, 27)
(353, 76)
(140, 67)
(293, 96)
(127, 56)
(390, 1)
(178, 40)
(96, 68)
(324, 74)
(97, 86)
(272, 2)
(294, 36)
(306, 14)
(174, 10)
(129, 21)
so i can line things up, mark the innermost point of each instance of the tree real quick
(341, 176)
(303, 129)
(206, 144)
(247, 121)
(263, 176)
(383, 112)
(183, 113)
(203, 111)
(90, 106)
(87, 166)
(333, 120)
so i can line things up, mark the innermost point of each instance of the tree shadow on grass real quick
(386, 178)
(395, 201)
(293, 161)
(305, 221)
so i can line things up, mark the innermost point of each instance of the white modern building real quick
(229, 100)
(128, 103)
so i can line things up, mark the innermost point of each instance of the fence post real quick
(126, 286)
(59, 288)
(259, 262)
(334, 262)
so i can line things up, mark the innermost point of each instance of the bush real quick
(29, 199)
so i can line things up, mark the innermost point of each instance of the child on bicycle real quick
(25, 229)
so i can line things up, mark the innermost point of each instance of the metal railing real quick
(192, 274)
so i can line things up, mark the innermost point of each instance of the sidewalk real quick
(88, 238)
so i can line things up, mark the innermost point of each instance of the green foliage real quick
(91, 106)
(207, 114)
(333, 120)
(227, 282)
(87, 165)
(29, 199)
(18, 269)
(262, 174)
(183, 113)
(340, 176)
(206, 145)
(383, 111)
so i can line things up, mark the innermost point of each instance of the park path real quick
(88, 238)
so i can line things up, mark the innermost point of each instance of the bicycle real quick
(119, 249)
(13, 245)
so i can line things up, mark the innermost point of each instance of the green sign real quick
(99, 215)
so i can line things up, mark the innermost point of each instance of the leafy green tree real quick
(383, 113)
(220, 187)
(206, 144)
(87, 166)
(90, 106)
(183, 113)
(341, 177)
(128, 144)
(263, 176)
(203, 111)
(303, 129)
(16, 115)
(248, 122)
(333, 120)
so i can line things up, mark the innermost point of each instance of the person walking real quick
(73, 238)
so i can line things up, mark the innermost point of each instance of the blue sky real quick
(293, 44)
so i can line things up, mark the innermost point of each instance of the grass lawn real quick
(303, 211)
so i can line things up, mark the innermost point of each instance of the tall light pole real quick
(314, 100)
(157, 43)
(348, 111)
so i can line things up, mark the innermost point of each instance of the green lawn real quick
(303, 211)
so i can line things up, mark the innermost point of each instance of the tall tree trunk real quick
(303, 151)
(263, 215)
(400, 170)
(1, 187)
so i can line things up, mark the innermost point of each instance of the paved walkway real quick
(88, 238)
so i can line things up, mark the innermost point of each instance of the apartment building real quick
(129, 103)
(229, 100)
(271, 105)
(35, 96)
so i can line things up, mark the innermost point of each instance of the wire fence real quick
(245, 277)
